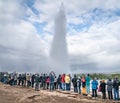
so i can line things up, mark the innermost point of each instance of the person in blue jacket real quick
(94, 88)
(116, 84)
(52, 78)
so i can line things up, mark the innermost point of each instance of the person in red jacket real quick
(63, 81)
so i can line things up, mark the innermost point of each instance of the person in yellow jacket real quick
(28, 80)
(67, 82)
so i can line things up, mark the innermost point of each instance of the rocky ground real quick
(15, 94)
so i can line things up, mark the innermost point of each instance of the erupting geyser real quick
(59, 52)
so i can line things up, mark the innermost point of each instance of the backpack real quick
(78, 82)
(99, 89)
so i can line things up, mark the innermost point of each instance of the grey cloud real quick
(12, 60)
(21, 49)
(85, 68)
(86, 64)
(82, 63)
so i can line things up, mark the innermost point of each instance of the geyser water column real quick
(59, 51)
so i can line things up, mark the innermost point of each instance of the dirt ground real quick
(15, 94)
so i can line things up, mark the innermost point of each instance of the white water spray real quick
(59, 52)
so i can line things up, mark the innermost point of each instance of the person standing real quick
(103, 89)
(63, 81)
(55, 83)
(59, 82)
(109, 88)
(88, 84)
(94, 88)
(37, 82)
(28, 80)
(79, 85)
(83, 80)
(51, 76)
(19, 79)
(32, 80)
(67, 82)
(74, 81)
(116, 85)
(44, 78)
(47, 82)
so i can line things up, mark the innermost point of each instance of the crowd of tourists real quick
(65, 82)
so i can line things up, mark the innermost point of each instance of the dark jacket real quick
(44, 78)
(83, 82)
(103, 87)
(33, 77)
(78, 82)
(59, 79)
(74, 81)
(37, 79)
(116, 84)
(51, 78)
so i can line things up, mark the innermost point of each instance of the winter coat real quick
(94, 84)
(109, 85)
(28, 77)
(59, 80)
(116, 84)
(67, 79)
(33, 77)
(44, 78)
(51, 78)
(87, 80)
(48, 80)
(83, 82)
(37, 79)
(78, 82)
(74, 81)
(63, 78)
(103, 87)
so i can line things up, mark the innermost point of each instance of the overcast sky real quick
(27, 29)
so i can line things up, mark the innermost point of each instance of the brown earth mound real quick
(16, 94)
